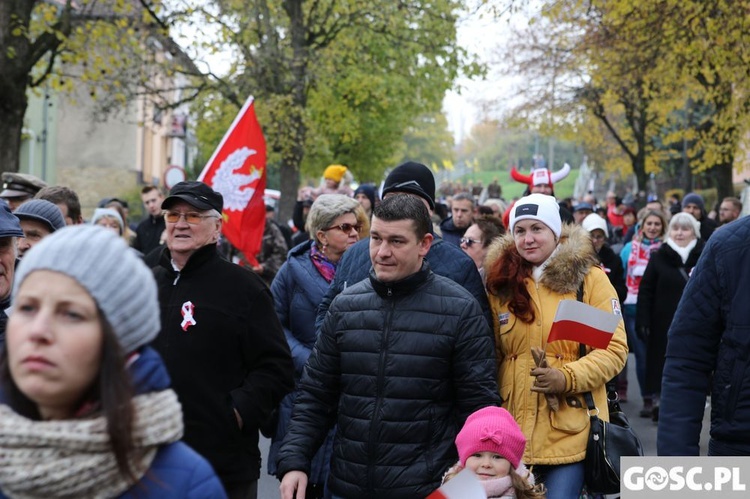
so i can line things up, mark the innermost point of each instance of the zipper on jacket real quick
(177, 270)
(372, 442)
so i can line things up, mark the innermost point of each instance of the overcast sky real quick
(483, 35)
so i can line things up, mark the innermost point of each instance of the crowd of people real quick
(385, 340)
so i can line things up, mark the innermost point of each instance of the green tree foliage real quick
(632, 69)
(65, 44)
(427, 140)
(335, 80)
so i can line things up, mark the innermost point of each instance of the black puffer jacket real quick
(398, 367)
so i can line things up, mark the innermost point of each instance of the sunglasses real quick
(468, 242)
(191, 217)
(345, 228)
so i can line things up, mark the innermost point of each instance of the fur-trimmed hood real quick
(567, 266)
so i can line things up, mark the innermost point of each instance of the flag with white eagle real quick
(237, 169)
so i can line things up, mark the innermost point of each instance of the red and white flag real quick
(577, 321)
(237, 169)
(465, 485)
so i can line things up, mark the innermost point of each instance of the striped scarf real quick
(640, 254)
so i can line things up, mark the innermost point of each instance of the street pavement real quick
(268, 486)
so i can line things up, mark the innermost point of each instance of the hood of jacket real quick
(567, 266)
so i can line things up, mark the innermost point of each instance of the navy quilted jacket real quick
(297, 291)
(711, 334)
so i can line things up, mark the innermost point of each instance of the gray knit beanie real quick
(100, 261)
(42, 211)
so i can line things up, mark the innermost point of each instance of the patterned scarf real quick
(640, 253)
(325, 267)
(72, 458)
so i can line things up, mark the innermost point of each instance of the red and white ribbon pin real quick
(187, 315)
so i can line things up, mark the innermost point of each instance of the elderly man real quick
(39, 219)
(221, 340)
(10, 231)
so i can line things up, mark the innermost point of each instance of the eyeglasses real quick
(345, 228)
(468, 242)
(191, 217)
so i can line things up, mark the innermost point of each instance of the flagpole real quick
(237, 118)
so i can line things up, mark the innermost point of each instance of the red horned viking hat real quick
(540, 176)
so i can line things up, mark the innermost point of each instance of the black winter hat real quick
(413, 178)
(369, 191)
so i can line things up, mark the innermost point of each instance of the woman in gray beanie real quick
(87, 409)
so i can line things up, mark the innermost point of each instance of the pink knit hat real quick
(491, 429)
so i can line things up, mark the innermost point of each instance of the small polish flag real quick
(465, 485)
(577, 321)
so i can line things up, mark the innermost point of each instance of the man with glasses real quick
(220, 339)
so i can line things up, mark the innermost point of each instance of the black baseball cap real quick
(196, 194)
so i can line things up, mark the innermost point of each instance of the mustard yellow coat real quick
(556, 437)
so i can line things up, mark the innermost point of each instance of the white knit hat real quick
(100, 213)
(593, 222)
(118, 281)
(537, 207)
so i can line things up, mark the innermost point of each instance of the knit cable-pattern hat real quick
(491, 429)
(100, 261)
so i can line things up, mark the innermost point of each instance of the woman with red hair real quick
(538, 263)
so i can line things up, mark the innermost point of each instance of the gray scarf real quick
(72, 458)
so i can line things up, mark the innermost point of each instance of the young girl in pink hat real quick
(491, 445)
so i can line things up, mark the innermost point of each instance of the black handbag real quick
(608, 442)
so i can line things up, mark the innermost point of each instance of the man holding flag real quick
(221, 340)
